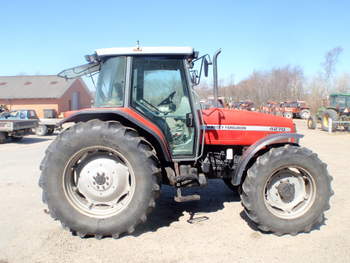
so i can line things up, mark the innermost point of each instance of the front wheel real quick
(287, 190)
(305, 114)
(41, 130)
(100, 179)
(288, 115)
(312, 122)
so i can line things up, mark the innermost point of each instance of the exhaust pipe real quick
(215, 77)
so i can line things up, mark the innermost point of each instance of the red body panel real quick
(223, 126)
(130, 112)
(239, 127)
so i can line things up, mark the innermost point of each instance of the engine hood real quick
(232, 127)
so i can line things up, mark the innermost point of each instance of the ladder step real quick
(187, 198)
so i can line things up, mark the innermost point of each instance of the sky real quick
(45, 37)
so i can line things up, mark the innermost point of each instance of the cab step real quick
(185, 198)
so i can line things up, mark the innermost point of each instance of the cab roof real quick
(339, 94)
(123, 51)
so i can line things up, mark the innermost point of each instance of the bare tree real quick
(328, 65)
(278, 84)
(342, 83)
(316, 92)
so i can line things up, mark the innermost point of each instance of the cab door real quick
(160, 92)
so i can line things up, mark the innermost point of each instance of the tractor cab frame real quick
(156, 83)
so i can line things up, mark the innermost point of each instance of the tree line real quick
(287, 83)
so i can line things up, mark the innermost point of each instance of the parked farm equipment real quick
(335, 115)
(294, 109)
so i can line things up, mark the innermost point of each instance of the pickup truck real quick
(16, 124)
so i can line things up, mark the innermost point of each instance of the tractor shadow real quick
(30, 140)
(168, 211)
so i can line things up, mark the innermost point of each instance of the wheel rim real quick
(99, 182)
(290, 192)
(288, 115)
(305, 115)
(309, 123)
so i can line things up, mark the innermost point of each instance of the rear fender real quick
(280, 138)
(131, 119)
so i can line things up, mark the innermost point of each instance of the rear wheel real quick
(312, 122)
(287, 190)
(41, 130)
(100, 178)
(327, 115)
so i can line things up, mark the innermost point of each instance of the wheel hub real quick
(100, 179)
(103, 181)
(286, 191)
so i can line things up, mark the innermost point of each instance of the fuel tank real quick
(241, 127)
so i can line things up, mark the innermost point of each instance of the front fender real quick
(290, 138)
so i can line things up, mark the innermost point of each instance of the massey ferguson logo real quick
(225, 127)
(245, 128)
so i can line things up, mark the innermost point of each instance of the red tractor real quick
(101, 177)
(294, 109)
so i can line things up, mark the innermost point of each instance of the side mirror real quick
(206, 67)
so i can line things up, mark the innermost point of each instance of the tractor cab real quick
(157, 84)
(340, 101)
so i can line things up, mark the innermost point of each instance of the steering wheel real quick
(168, 99)
(151, 106)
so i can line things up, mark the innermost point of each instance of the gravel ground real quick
(214, 229)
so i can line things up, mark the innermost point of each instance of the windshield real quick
(111, 83)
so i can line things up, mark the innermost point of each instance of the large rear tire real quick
(327, 115)
(100, 179)
(287, 190)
